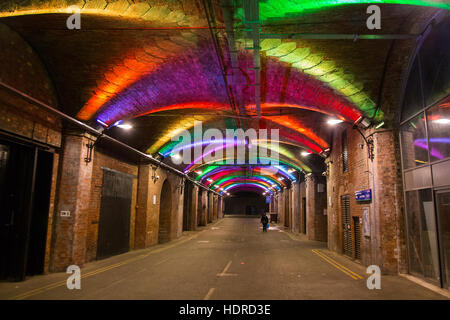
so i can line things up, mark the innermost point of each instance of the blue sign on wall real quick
(363, 195)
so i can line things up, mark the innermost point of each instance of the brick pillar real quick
(296, 207)
(286, 207)
(302, 194)
(143, 204)
(193, 209)
(210, 205)
(220, 208)
(70, 232)
(216, 206)
(316, 202)
(204, 209)
(387, 221)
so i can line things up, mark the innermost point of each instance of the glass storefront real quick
(425, 144)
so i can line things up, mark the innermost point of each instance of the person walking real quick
(264, 221)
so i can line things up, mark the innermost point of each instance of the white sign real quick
(65, 214)
(366, 223)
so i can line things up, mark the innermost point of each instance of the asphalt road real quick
(229, 259)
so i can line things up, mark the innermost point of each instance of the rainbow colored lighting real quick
(247, 184)
(276, 9)
(294, 124)
(266, 160)
(264, 179)
(422, 143)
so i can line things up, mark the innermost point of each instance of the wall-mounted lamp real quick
(155, 177)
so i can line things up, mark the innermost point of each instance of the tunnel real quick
(170, 135)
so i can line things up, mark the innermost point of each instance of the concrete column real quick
(316, 202)
(70, 232)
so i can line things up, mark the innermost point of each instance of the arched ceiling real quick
(157, 66)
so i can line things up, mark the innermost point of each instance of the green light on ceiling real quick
(317, 66)
(276, 9)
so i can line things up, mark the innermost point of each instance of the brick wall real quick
(341, 183)
(316, 220)
(104, 161)
(149, 199)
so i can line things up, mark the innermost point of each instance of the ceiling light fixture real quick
(125, 126)
(333, 122)
(442, 121)
(305, 153)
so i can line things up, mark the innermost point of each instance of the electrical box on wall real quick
(65, 214)
(366, 222)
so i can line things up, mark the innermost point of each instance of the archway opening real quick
(165, 209)
(246, 203)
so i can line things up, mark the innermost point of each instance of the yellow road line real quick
(100, 270)
(338, 266)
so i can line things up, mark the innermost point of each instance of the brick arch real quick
(22, 67)
(165, 212)
(175, 13)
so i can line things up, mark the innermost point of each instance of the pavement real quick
(229, 259)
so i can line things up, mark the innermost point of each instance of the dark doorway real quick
(357, 236)
(443, 211)
(250, 210)
(165, 210)
(40, 212)
(115, 209)
(25, 182)
(245, 202)
(346, 225)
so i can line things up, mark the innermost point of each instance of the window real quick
(414, 142)
(435, 63)
(422, 238)
(439, 130)
(344, 151)
(425, 141)
(413, 102)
